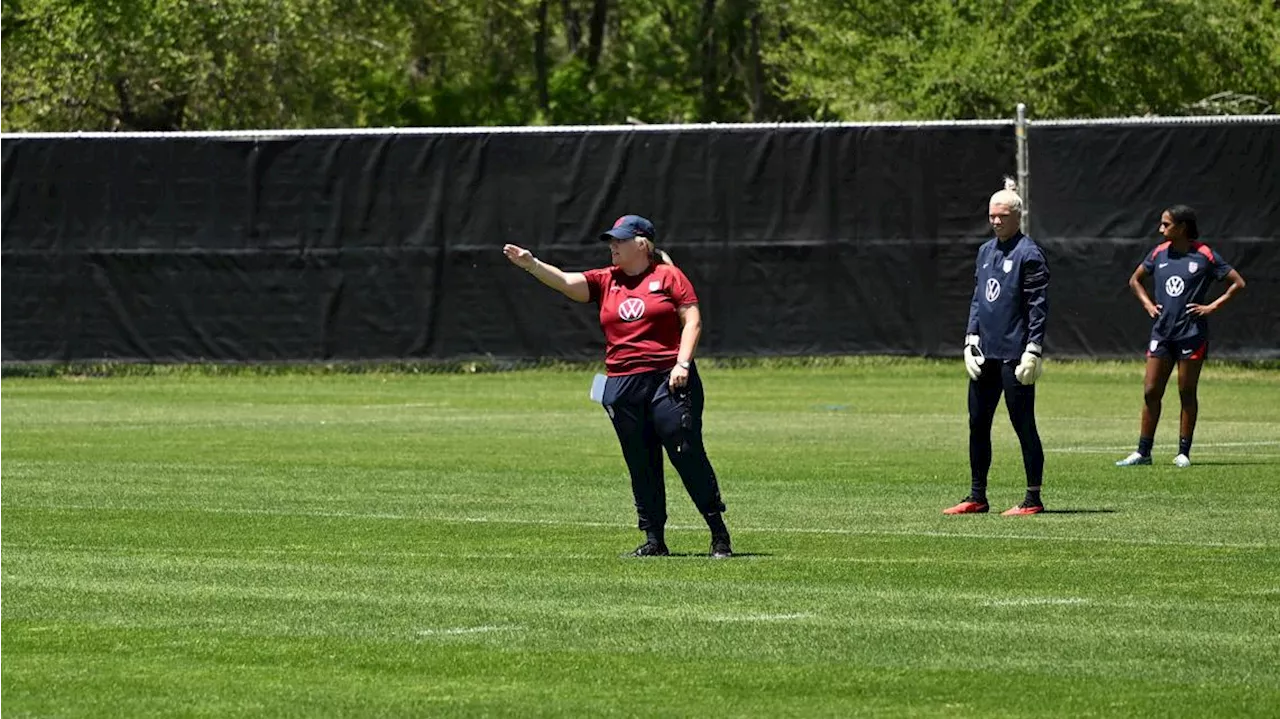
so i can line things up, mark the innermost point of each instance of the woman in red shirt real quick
(649, 314)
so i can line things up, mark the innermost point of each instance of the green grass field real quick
(437, 545)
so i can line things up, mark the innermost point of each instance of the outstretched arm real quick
(570, 284)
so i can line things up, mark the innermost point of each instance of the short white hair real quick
(1009, 196)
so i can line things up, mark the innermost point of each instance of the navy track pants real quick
(648, 418)
(984, 396)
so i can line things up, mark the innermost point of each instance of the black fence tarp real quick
(799, 240)
(1097, 194)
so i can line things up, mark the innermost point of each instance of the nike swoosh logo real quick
(1164, 264)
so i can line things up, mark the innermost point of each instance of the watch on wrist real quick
(684, 364)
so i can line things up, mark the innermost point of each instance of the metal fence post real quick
(1024, 166)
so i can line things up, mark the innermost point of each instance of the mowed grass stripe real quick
(673, 527)
(226, 553)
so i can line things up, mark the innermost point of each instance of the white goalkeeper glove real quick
(973, 357)
(1031, 366)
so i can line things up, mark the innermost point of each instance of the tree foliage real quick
(897, 59)
(229, 64)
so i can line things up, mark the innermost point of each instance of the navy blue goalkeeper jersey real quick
(1182, 278)
(1010, 303)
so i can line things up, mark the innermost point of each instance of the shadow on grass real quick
(1080, 511)
(702, 555)
(1231, 462)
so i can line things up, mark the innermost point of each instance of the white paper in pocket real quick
(597, 388)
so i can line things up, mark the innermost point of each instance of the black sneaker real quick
(720, 548)
(651, 549)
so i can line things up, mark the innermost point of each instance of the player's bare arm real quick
(690, 333)
(1237, 284)
(570, 284)
(1140, 291)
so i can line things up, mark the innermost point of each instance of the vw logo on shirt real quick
(1174, 286)
(993, 289)
(631, 309)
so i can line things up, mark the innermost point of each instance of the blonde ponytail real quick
(660, 257)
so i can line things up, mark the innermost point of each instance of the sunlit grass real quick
(391, 544)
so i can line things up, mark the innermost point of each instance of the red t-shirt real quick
(638, 316)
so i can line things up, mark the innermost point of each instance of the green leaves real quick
(869, 60)
(228, 64)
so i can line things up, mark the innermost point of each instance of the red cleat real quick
(968, 506)
(1022, 510)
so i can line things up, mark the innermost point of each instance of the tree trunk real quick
(710, 85)
(540, 58)
(755, 71)
(595, 42)
(572, 25)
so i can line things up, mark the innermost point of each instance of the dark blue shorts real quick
(1196, 348)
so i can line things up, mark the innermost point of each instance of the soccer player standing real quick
(1003, 349)
(653, 394)
(1182, 269)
